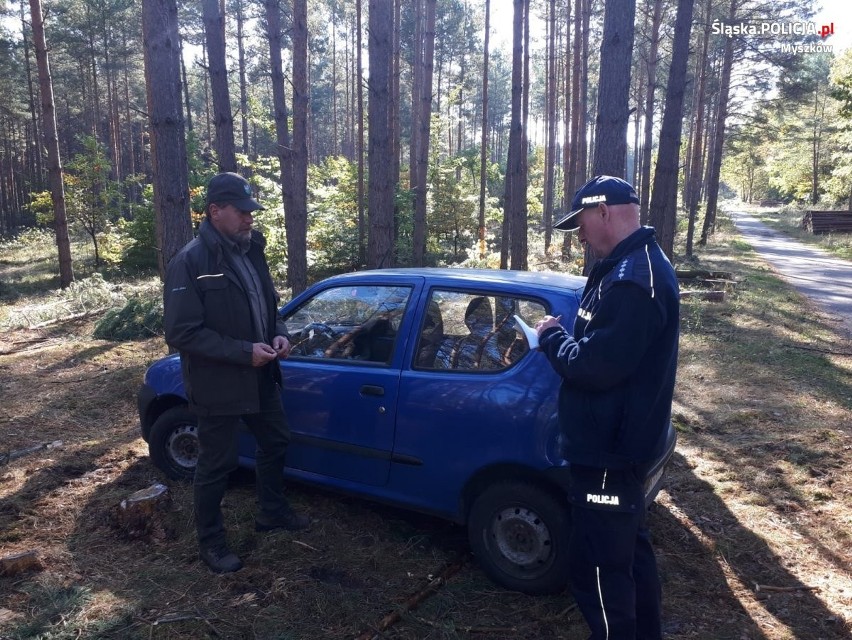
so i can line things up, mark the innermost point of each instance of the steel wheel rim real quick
(183, 446)
(523, 541)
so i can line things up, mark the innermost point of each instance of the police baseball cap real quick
(600, 189)
(231, 188)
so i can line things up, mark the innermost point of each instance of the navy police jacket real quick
(618, 365)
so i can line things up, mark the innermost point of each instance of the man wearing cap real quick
(617, 364)
(221, 314)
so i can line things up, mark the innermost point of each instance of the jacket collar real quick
(637, 239)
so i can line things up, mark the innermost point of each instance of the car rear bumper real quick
(144, 398)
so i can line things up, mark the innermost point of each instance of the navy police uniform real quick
(618, 369)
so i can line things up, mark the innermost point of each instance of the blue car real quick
(414, 387)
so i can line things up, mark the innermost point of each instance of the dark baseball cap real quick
(606, 189)
(231, 188)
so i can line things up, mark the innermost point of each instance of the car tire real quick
(173, 443)
(519, 535)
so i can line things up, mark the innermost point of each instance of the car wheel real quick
(519, 535)
(173, 443)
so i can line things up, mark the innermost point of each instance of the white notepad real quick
(530, 333)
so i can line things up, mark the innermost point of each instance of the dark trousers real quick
(218, 457)
(614, 573)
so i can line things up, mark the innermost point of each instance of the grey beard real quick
(242, 241)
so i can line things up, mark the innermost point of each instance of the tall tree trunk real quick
(483, 151)
(575, 168)
(241, 51)
(38, 178)
(380, 187)
(187, 103)
(297, 219)
(694, 180)
(425, 121)
(416, 89)
(719, 134)
(514, 163)
(214, 29)
(51, 142)
(279, 105)
(614, 88)
(362, 222)
(394, 124)
(663, 209)
(168, 138)
(551, 116)
(518, 244)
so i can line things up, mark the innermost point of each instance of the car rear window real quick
(465, 331)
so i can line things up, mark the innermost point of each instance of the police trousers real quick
(613, 571)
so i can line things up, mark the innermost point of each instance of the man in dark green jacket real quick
(221, 314)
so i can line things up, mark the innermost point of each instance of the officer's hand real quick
(546, 322)
(261, 353)
(281, 345)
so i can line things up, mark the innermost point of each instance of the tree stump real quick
(145, 514)
(19, 563)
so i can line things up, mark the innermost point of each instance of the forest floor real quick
(753, 529)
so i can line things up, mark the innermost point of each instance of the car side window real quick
(470, 332)
(353, 322)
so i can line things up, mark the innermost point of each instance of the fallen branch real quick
(710, 296)
(6, 458)
(818, 350)
(767, 587)
(181, 616)
(305, 544)
(505, 631)
(412, 602)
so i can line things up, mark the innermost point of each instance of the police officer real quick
(617, 365)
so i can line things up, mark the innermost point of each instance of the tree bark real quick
(214, 29)
(551, 117)
(425, 125)
(51, 141)
(518, 245)
(610, 154)
(380, 185)
(693, 187)
(719, 134)
(663, 209)
(483, 151)
(362, 221)
(511, 199)
(648, 144)
(241, 51)
(168, 138)
(297, 219)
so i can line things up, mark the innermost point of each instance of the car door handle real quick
(372, 390)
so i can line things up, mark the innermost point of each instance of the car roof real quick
(456, 276)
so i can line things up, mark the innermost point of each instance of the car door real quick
(341, 381)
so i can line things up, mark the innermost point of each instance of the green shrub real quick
(138, 318)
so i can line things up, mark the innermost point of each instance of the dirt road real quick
(826, 280)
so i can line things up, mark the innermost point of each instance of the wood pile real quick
(818, 222)
(699, 284)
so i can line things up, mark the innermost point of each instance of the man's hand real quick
(261, 353)
(281, 345)
(546, 322)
